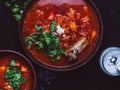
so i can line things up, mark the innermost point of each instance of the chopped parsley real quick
(13, 63)
(53, 26)
(16, 7)
(13, 76)
(46, 41)
(38, 28)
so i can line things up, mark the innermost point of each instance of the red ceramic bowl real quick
(31, 16)
(24, 64)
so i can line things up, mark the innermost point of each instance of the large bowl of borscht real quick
(61, 35)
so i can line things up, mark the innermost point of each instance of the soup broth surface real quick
(75, 20)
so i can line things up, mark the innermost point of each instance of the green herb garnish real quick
(13, 76)
(38, 28)
(17, 16)
(58, 57)
(13, 63)
(29, 41)
(46, 40)
(16, 7)
(53, 26)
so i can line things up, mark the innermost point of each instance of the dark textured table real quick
(88, 77)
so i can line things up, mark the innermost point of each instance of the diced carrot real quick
(73, 26)
(2, 68)
(37, 11)
(23, 69)
(78, 15)
(60, 20)
(63, 25)
(85, 19)
(7, 86)
(17, 64)
(66, 38)
(85, 9)
(74, 36)
(71, 17)
(93, 34)
(72, 12)
(51, 16)
(42, 13)
(65, 45)
(68, 13)
(38, 22)
(6, 83)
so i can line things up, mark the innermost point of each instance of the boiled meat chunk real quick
(76, 48)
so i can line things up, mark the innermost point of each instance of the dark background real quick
(88, 77)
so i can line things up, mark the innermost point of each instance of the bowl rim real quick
(29, 63)
(77, 64)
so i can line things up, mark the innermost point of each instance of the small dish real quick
(16, 71)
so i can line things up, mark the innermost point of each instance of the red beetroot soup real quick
(60, 33)
(10, 62)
